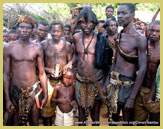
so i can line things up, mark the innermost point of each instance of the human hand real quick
(10, 107)
(129, 104)
(43, 102)
(74, 103)
(69, 65)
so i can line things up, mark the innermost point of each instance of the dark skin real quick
(67, 34)
(42, 32)
(13, 37)
(133, 44)
(112, 31)
(57, 51)
(20, 59)
(63, 94)
(82, 68)
(153, 59)
(5, 36)
(100, 28)
(109, 12)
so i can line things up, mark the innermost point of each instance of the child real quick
(63, 96)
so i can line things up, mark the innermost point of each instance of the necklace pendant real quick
(85, 51)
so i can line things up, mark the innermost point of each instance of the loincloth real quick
(142, 108)
(119, 89)
(86, 91)
(64, 119)
(23, 100)
(49, 109)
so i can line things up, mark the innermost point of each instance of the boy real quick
(63, 95)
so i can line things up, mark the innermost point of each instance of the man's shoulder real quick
(77, 35)
(11, 44)
(45, 43)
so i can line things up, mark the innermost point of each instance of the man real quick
(13, 35)
(100, 28)
(57, 53)
(111, 27)
(67, 33)
(42, 31)
(20, 80)
(139, 29)
(130, 55)
(5, 36)
(143, 25)
(147, 91)
(33, 34)
(109, 11)
(85, 90)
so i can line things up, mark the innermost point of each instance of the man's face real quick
(56, 32)
(124, 15)
(87, 28)
(67, 31)
(75, 12)
(142, 25)
(109, 12)
(100, 28)
(42, 31)
(68, 78)
(5, 36)
(112, 28)
(13, 37)
(25, 30)
(154, 33)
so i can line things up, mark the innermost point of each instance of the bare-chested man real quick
(85, 91)
(42, 31)
(20, 81)
(57, 53)
(63, 96)
(130, 56)
(147, 91)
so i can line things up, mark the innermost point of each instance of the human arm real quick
(73, 58)
(6, 78)
(155, 15)
(56, 99)
(42, 75)
(142, 63)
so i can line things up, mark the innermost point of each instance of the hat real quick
(86, 15)
(26, 19)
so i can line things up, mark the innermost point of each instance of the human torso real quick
(128, 45)
(85, 61)
(153, 61)
(23, 64)
(55, 53)
(65, 93)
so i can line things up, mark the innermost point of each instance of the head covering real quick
(112, 18)
(26, 19)
(86, 15)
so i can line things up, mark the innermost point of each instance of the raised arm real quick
(155, 15)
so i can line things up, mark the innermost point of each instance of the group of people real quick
(82, 71)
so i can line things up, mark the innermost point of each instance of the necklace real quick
(86, 48)
(111, 44)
